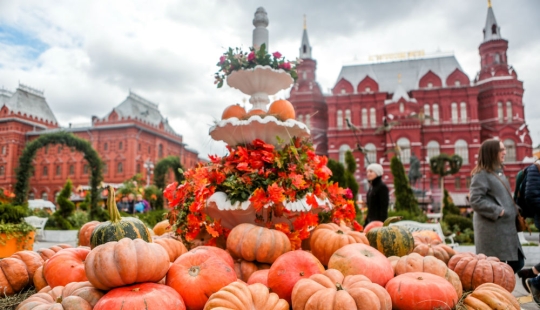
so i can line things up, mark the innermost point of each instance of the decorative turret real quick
(492, 31)
(260, 33)
(305, 48)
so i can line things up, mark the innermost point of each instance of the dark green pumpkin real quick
(391, 240)
(118, 227)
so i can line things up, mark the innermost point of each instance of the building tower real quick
(308, 99)
(501, 111)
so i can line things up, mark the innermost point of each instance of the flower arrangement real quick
(267, 177)
(236, 59)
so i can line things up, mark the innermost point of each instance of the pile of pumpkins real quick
(385, 268)
(280, 109)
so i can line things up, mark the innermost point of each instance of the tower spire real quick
(305, 48)
(305, 23)
(489, 3)
(492, 31)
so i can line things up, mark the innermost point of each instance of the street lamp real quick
(149, 165)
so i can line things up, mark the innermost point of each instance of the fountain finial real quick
(260, 33)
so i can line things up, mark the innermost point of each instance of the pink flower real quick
(251, 56)
(348, 193)
(285, 66)
(222, 59)
(276, 55)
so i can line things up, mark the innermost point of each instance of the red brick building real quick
(133, 133)
(458, 113)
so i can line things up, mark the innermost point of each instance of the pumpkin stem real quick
(111, 205)
(136, 289)
(391, 220)
(59, 299)
(339, 232)
(301, 273)
(339, 287)
(194, 271)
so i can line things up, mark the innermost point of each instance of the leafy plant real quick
(338, 172)
(236, 59)
(78, 219)
(65, 207)
(448, 205)
(405, 200)
(406, 215)
(11, 230)
(460, 221)
(153, 217)
(350, 169)
(160, 172)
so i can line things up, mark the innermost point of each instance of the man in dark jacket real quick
(377, 195)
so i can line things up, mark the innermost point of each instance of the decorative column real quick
(260, 33)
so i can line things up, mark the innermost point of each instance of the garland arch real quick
(24, 170)
(160, 171)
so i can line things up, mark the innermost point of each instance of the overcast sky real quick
(86, 55)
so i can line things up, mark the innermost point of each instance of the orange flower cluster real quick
(267, 177)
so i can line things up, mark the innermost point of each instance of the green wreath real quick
(160, 171)
(25, 168)
(438, 164)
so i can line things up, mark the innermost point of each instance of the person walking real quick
(377, 196)
(131, 203)
(494, 209)
(144, 202)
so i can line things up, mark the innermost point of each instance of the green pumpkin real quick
(391, 240)
(118, 227)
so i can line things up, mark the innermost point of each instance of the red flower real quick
(312, 201)
(348, 193)
(258, 199)
(275, 193)
(285, 66)
(251, 56)
(357, 226)
(276, 55)
(222, 59)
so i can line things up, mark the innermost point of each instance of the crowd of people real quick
(133, 204)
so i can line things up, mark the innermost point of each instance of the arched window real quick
(405, 146)
(401, 108)
(372, 118)
(435, 113)
(364, 118)
(160, 150)
(139, 147)
(120, 145)
(85, 169)
(105, 146)
(44, 196)
(462, 149)
(304, 74)
(463, 112)
(509, 112)
(138, 168)
(510, 146)
(433, 149)
(58, 170)
(45, 171)
(300, 118)
(31, 196)
(4, 150)
(2, 170)
(342, 150)
(120, 168)
(371, 154)
(500, 112)
(60, 149)
(105, 168)
(454, 113)
(497, 58)
(339, 119)
(427, 114)
(71, 170)
(308, 120)
(348, 115)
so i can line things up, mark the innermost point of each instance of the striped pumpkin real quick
(391, 240)
(118, 227)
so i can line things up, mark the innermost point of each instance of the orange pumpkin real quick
(141, 296)
(426, 246)
(371, 225)
(282, 109)
(212, 250)
(39, 279)
(197, 275)
(86, 232)
(47, 253)
(255, 112)
(259, 276)
(245, 269)
(254, 243)
(162, 227)
(475, 270)
(66, 266)
(427, 233)
(75, 295)
(241, 296)
(124, 262)
(32, 260)
(328, 238)
(234, 110)
(421, 291)
(14, 276)
(414, 262)
(488, 294)
(289, 268)
(174, 248)
(339, 292)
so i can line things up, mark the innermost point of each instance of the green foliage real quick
(350, 169)
(65, 208)
(405, 200)
(338, 172)
(421, 218)
(153, 217)
(448, 205)
(14, 230)
(78, 219)
(24, 170)
(464, 237)
(438, 164)
(85, 204)
(460, 221)
(12, 214)
(160, 172)
(154, 195)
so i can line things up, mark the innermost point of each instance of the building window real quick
(405, 147)
(46, 149)
(120, 168)
(509, 112)
(105, 169)
(463, 112)
(148, 149)
(467, 182)
(308, 120)
(44, 196)
(4, 150)
(457, 83)
(45, 171)
(429, 85)
(427, 118)
(343, 91)
(367, 90)
(500, 112)
(304, 74)
(462, 149)
(371, 154)
(435, 113)
(342, 150)
(340, 119)
(348, 115)
(433, 149)
(120, 145)
(31, 196)
(300, 118)
(2, 170)
(160, 150)
(454, 113)
(85, 169)
(457, 183)
(497, 58)
(401, 108)
(364, 118)
(510, 146)
(138, 168)
(372, 118)
(71, 170)
(139, 147)
(58, 170)
(105, 146)
(60, 149)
